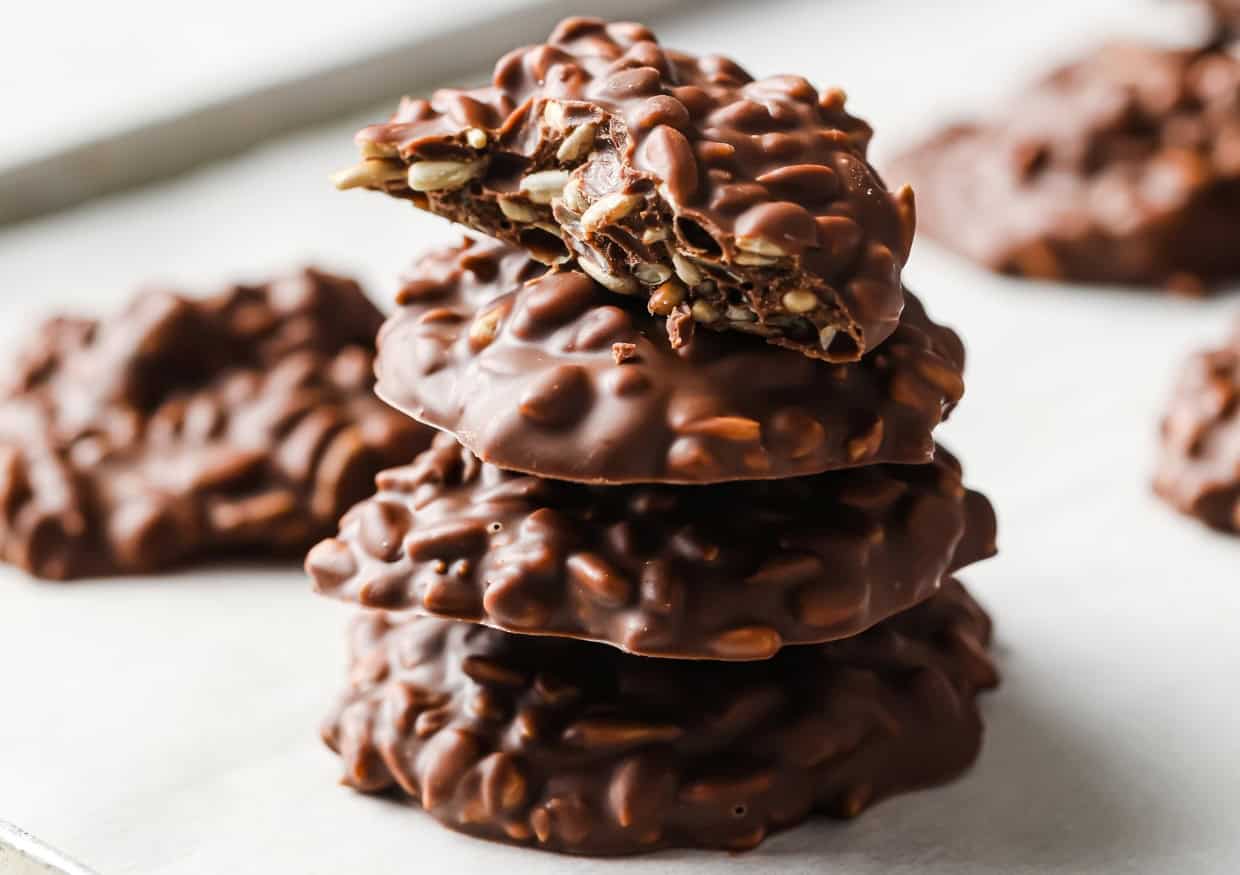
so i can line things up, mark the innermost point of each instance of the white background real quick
(75, 71)
(168, 724)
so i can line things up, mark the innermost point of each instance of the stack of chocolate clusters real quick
(685, 499)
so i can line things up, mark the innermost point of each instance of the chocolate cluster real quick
(1121, 167)
(1199, 462)
(182, 428)
(679, 569)
(660, 174)
(658, 570)
(527, 371)
(579, 747)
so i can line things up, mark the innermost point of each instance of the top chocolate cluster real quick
(748, 203)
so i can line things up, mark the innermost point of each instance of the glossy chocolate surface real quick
(731, 571)
(666, 176)
(575, 747)
(182, 428)
(558, 377)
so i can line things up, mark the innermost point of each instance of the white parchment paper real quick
(168, 725)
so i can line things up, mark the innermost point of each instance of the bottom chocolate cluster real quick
(578, 747)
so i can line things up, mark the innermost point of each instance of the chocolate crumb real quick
(622, 352)
(680, 326)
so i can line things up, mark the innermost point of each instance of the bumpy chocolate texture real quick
(560, 378)
(188, 428)
(574, 747)
(1123, 167)
(748, 203)
(731, 571)
(1199, 466)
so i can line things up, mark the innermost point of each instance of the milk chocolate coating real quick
(1123, 167)
(182, 429)
(574, 747)
(560, 378)
(731, 571)
(665, 174)
(1199, 464)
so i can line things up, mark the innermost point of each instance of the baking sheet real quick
(23, 854)
(168, 725)
(133, 91)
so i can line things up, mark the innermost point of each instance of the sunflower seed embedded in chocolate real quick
(520, 365)
(640, 162)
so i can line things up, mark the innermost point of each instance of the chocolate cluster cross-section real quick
(553, 375)
(576, 747)
(181, 428)
(656, 584)
(732, 571)
(1199, 465)
(746, 205)
(1121, 167)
